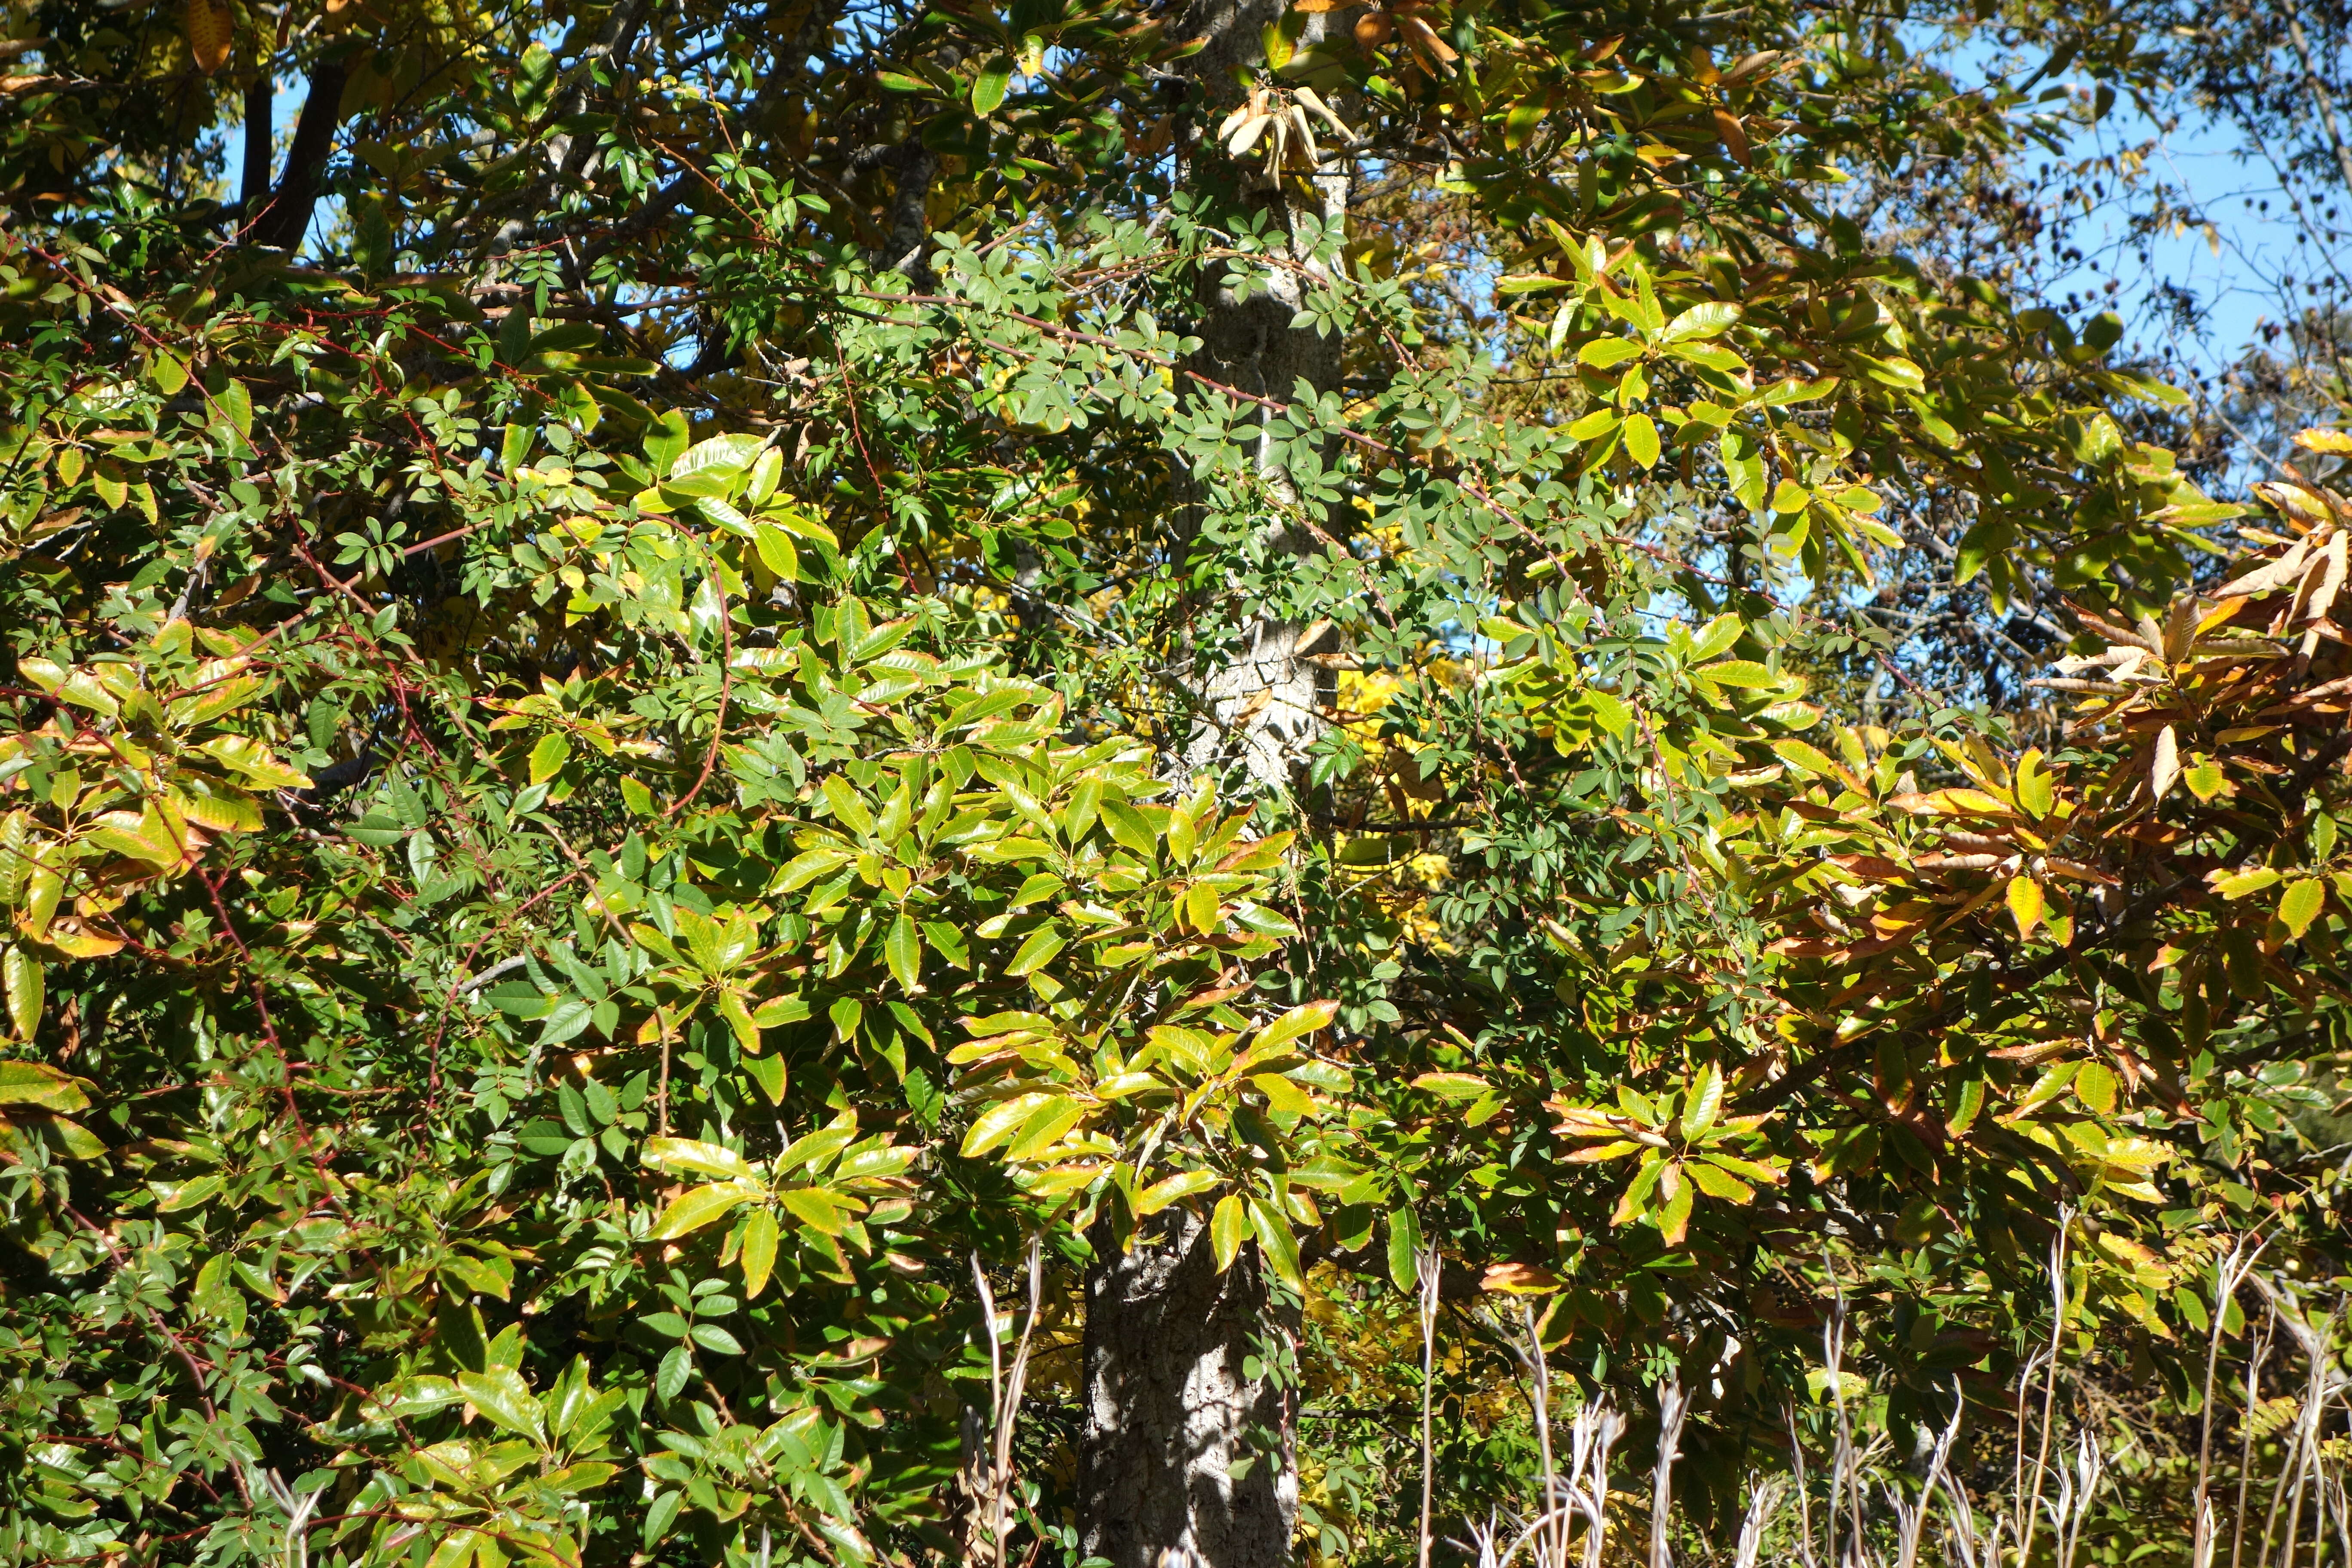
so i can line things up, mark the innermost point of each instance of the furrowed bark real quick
(1263, 703)
(1184, 1461)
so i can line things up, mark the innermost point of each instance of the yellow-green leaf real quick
(820, 1210)
(1718, 1183)
(777, 551)
(2163, 768)
(998, 1122)
(1172, 1189)
(21, 975)
(2301, 904)
(2095, 1085)
(1744, 673)
(547, 757)
(1805, 758)
(759, 1252)
(1299, 1021)
(40, 1085)
(1228, 1228)
(2025, 904)
(1674, 1220)
(253, 759)
(1045, 1126)
(1706, 1099)
(693, 1154)
(703, 1205)
(2033, 785)
(1283, 1097)
(1642, 439)
(1453, 1085)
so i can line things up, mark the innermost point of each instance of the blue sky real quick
(2230, 261)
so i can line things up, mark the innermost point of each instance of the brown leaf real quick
(211, 28)
(2164, 770)
(1877, 867)
(1518, 1280)
(1734, 136)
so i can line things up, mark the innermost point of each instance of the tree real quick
(712, 671)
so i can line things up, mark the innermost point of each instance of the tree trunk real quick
(1184, 1460)
(254, 181)
(1262, 707)
(287, 218)
(1187, 1459)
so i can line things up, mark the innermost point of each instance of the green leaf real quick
(1404, 1250)
(1966, 1105)
(663, 1511)
(190, 1195)
(1710, 320)
(168, 372)
(670, 1377)
(501, 1394)
(1037, 952)
(903, 950)
(1602, 354)
(1272, 1228)
(711, 1337)
(989, 87)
